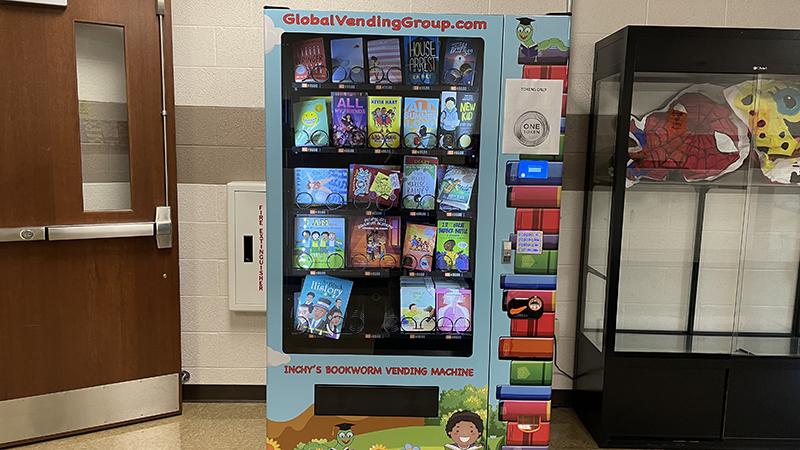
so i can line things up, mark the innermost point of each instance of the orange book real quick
(526, 348)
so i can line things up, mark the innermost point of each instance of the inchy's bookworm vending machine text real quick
(386, 159)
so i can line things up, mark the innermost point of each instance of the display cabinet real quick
(689, 319)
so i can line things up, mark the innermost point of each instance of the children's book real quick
(422, 59)
(456, 188)
(384, 61)
(347, 60)
(311, 123)
(460, 61)
(420, 121)
(320, 187)
(319, 242)
(466, 131)
(417, 305)
(448, 120)
(453, 309)
(419, 182)
(349, 118)
(371, 182)
(321, 305)
(452, 245)
(309, 59)
(419, 247)
(384, 122)
(375, 242)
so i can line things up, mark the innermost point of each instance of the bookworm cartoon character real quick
(464, 428)
(344, 437)
(321, 309)
(449, 117)
(528, 50)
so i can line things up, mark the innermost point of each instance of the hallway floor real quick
(242, 426)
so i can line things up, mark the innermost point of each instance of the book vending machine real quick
(386, 163)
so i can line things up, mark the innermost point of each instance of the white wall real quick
(218, 62)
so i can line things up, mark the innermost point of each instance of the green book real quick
(311, 123)
(452, 245)
(532, 373)
(545, 263)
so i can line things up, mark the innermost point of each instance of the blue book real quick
(347, 60)
(322, 304)
(520, 392)
(534, 172)
(320, 187)
(514, 281)
(319, 242)
(421, 59)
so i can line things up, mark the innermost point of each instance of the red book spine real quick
(542, 327)
(534, 197)
(517, 437)
(548, 297)
(546, 73)
(538, 219)
(511, 410)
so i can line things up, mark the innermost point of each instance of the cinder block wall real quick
(219, 96)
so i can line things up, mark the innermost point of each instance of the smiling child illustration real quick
(464, 428)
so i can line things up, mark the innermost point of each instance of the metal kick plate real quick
(22, 234)
(81, 409)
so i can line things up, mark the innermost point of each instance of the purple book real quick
(349, 118)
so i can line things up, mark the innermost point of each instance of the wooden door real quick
(89, 328)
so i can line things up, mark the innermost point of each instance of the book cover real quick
(347, 60)
(417, 305)
(468, 111)
(310, 63)
(456, 188)
(349, 118)
(311, 123)
(452, 245)
(320, 187)
(460, 63)
(448, 120)
(319, 242)
(420, 122)
(384, 122)
(419, 182)
(422, 59)
(454, 310)
(371, 182)
(375, 242)
(322, 304)
(384, 61)
(419, 246)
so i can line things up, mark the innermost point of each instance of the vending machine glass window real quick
(381, 137)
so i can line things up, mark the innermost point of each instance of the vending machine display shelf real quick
(351, 210)
(366, 87)
(386, 151)
(376, 272)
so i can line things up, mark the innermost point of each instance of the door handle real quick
(161, 228)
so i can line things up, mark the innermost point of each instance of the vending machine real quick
(413, 169)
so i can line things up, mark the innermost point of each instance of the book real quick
(347, 60)
(310, 63)
(417, 304)
(448, 120)
(419, 246)
(349, 118)
(468, 110)
(320, 187)
(311, 123)
(419, 182)
(375, 242)
(421, 59)
(452, 245)
(456, 189)
(384, 122)
(420, 122)
(453, 309)
(460, 61)
(322, 304)
(384, 61)
(319, 242)
(371, 182)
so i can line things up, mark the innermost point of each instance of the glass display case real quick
(689, 318)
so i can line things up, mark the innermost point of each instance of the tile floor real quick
(223, 426)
